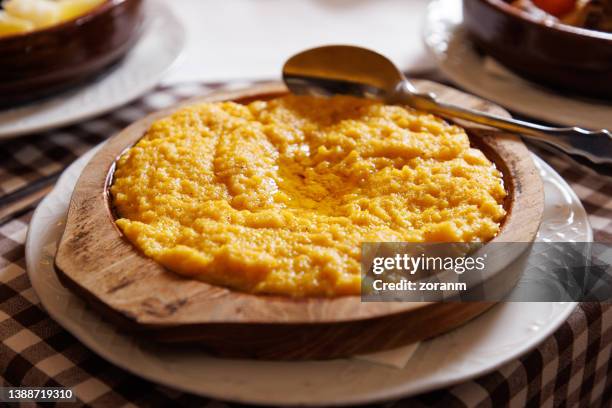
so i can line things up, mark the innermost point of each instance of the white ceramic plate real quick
(505, 332)
(457, 58)
(142, 68)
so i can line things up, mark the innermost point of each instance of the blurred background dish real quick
(447, 40)
(539, 47)
(47, 48)
(156, 50)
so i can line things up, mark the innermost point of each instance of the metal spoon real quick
(341, 69)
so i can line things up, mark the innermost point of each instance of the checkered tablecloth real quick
(571, 368)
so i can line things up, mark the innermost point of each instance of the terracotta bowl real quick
(46, 61)
(563, 57)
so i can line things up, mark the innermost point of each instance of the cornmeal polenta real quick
(277, 196)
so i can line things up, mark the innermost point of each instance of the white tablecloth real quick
(250, 39)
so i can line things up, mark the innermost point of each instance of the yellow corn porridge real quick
(277, 196)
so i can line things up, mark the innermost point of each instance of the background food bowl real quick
(563, 57)
(37, 64)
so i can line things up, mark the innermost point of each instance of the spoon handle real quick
(596, 145)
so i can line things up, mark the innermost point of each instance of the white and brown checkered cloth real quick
(573, 367)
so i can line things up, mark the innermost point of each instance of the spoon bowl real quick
(342, 69)
(356, 71)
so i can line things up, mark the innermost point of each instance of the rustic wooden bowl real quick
(43, 62)
(99, 264)
(563, 57)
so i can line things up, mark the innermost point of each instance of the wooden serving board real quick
(99, 264)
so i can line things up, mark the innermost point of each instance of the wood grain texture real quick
(133, 291)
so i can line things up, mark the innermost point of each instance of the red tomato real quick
(557, 8)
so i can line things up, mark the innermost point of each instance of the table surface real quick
(570, 367)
